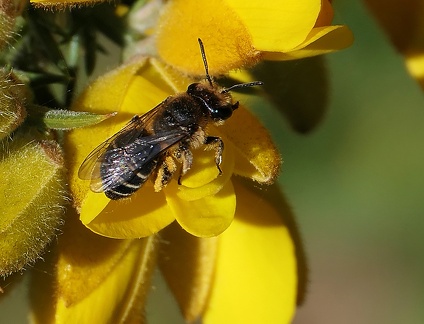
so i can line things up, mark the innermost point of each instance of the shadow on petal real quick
(208, 216)
(144, 214)
(275, 198)
(187, 263)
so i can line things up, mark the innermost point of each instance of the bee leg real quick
(218, 145)
(165, 173)
(186, 158)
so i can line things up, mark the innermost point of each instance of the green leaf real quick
(89, 40)
(44, 78)
(66, 119)
(299, 89)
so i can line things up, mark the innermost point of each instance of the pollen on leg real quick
(165, 173)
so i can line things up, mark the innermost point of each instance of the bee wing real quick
(131, 131)
(118, 165)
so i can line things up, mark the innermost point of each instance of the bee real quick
(155, 142)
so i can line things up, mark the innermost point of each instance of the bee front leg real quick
(218, 145)
(185, 156)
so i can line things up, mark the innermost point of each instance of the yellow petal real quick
(321, 40)
(238, 33)
(108, 91)
(415, 65)
(173, 78)
(203, 179)
(187, 263)
(256, 155)
(227, 41)
(105, 95)
(144, 214)
(277, 25)
(95, 280)
(92, 205)
(132, 89)
(146, 90)
(326, 14)
(205, 217)
(203, 171)
(118, 293)
(256, 275)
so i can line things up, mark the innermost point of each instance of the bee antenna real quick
(205, 62)
(242, 85)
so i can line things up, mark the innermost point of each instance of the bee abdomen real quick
(127, 187)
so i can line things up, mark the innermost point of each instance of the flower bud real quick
(12, 101)
(32, 197)
(9, 10)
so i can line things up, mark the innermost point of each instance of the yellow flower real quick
(91, 279)
(252, 273)
(239, 33)
(230, 262)
(255, 274)
(205, 202)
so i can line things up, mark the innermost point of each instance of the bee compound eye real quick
(222, 113)
(192, 88)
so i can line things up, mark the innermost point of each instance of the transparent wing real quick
(134, 129)
(118, 165)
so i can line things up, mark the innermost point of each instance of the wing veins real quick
(124, 162)
(135, 127)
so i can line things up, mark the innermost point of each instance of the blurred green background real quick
(356, 186)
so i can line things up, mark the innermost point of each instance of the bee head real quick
(217, 104)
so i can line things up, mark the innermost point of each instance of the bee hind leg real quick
(217, 144)
(165, 173)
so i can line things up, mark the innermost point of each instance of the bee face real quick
(217, 105)
(153, 143)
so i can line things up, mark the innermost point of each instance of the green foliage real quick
(67, 119)
(55, 42)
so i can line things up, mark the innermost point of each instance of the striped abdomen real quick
(131, 183)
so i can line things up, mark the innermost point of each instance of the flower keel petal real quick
(91, 268)
(187, 263)
(205, 217)
(142, 215)
(256, 261)
(277, 25)
(256, 155)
